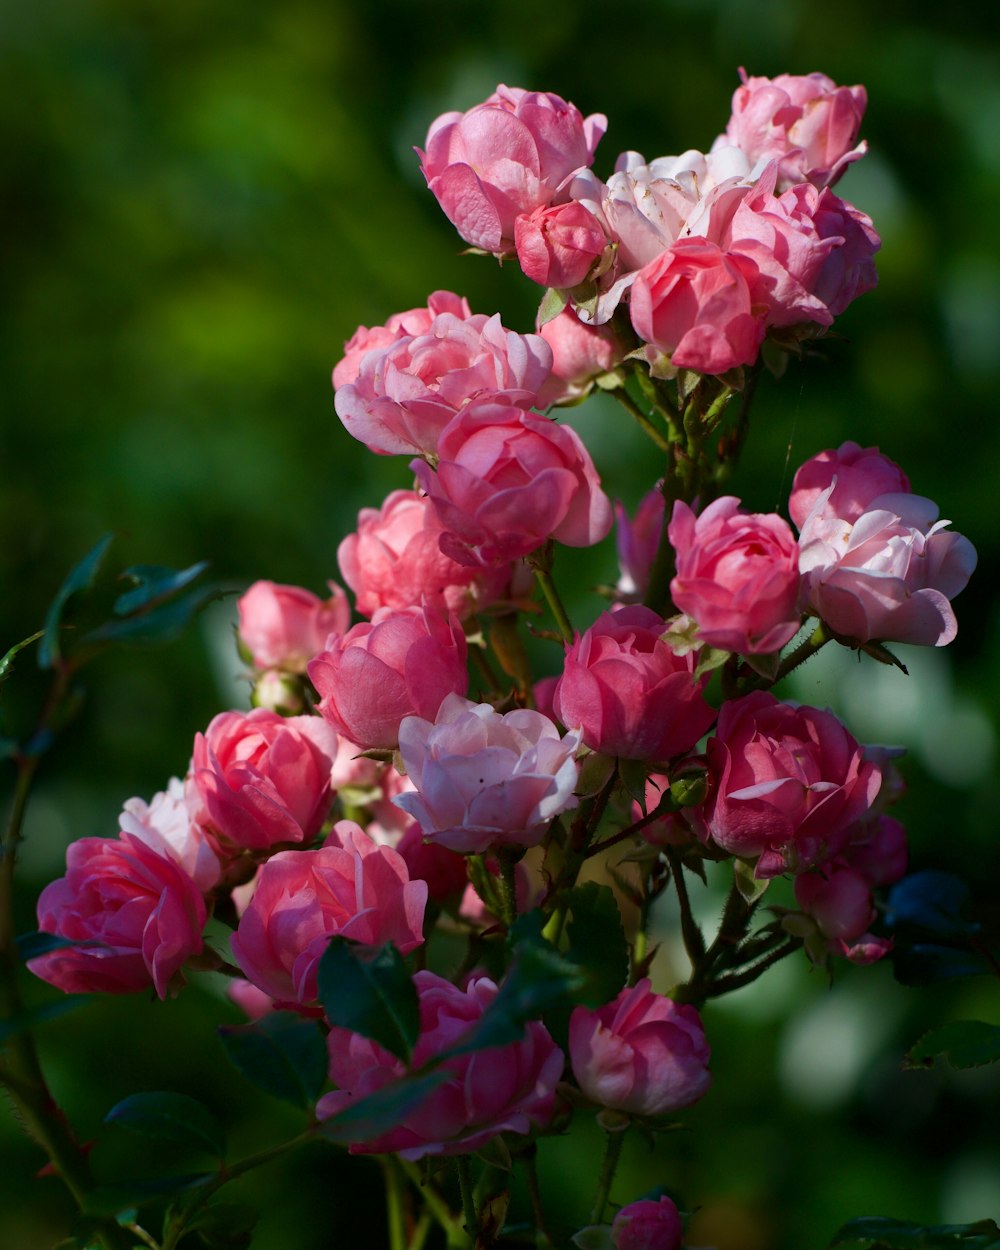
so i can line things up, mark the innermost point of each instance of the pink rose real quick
(400, 325)
(878, 850)
(629, 692)
(558, 246)
(580, 353)
(804, 121)
(890, 576)
(485, 780)
(394, 560)
(444, 871)
(303, 898)
(509, 480)
(401, 663)
(168, 826)
(693, 303)
(405, 394)
(648, 1225)
(262, 779)
(787, 784)
(737, 576)
(285, 626)
(838, 901)
(858, 475)
(505, 157)
(638, 541)
(136, 915)
(507, 1089)
(641, 1053)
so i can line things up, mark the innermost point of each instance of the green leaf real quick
(370, 1117)
(225, 1225)
(597, 942)
(371, 993)
(33, 1016)
(161, 624)
(8, 660)
(633, 774)
(281, 1054)
(963, 1043)
(750, 887)
(81, 577)
(594, 1237)
(125, 1195)
(153, 583)
(876, 1231)
(553, 302)
(170, 1117)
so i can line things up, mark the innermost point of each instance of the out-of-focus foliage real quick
(200, 202)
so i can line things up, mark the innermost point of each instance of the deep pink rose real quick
(170, 827)
(693, 303)
(444, 871)
(509, 480)
(878, 849)
(580, 353)
(508, 1089)
(858, 476)
(405, 394)
(889, 576)
(641, 1053)
(637, 541)
(737, 576)
(631, 694)
(263, 779)
(485, 780)
(648, 1225)
(136, 914)
(303, 898)
(400, 663)
(558, 246)
(787, 783)
(505, 157)
(400, 325)
(285, 626)
(394, 560)
(837, 902)
(804, 121)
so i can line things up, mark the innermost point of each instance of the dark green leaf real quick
(31, 945)
(876, 1231)
(924, 963)
(153, 583)
(33, 1016)
(633, 774)
(8, 659)
(158, 625)
(597, 942)
(370, 1117)
(170, 1117)
(79, 578)
(963, 1043)
(281, 1054)
(225, 1225)
(932, 902)
(124, 1195)
(371, 993)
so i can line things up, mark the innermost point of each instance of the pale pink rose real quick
(637, 541)
(485, 780)
(394, 560)
(285, 626)
(889, 576)
(135, 913)
(507, 1089)
(558, 246)
(405, 394)
(858, 475)
(354, 890)
(787, 784)
(648, 1225)
(580, 353)
(508, 480)
(849, 270)
(506, 156)
(737, 576)
(168, 825)
(262, 779)
(629, 692)
(400, 325)
(641, 1053)
(400, 663)
(804, 121)
(693, 303)
(254, 1003)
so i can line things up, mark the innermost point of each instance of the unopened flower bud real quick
(278, 692)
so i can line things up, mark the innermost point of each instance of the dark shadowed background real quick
(200, 203)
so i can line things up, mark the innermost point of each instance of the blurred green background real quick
(200, 203)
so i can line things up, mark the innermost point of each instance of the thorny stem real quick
(528, 1158)
(541, 562)
(643, 421)
(394, 1192)
(736, 980)
(469, 1213)
(694, 940)
(612, 1153)
(436, 1205)
(732, 928)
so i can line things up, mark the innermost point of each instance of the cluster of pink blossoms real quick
(377, 789)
